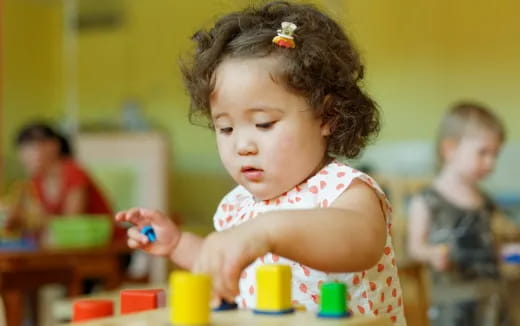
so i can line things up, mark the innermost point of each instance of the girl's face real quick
(268, 138)
(474, 155)
(37, 156)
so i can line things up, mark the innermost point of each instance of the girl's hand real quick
(167, 233)
(225, 254)
(440, 257)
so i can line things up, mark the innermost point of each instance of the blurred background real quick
(105, 72)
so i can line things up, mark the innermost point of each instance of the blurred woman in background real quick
(57, 183)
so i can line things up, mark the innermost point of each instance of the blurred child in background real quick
(450, 225)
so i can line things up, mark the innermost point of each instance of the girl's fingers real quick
(127, 216)
(133, 243)
(151, 216)
(120, 216)
(221, 285)
(141, 216)
(135, 234)
(224, 275)
(218, 286)
(206, 265)
(215, 301)
(231, 275)
(134, 216)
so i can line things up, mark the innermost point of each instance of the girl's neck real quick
(326, 160)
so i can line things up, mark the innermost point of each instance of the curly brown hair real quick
(324, 68)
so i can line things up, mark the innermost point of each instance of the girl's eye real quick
(266, 125)
(225, 131)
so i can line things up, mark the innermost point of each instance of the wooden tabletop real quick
(238, 318)
(22, 271)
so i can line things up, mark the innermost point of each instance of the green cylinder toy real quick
(333, 303)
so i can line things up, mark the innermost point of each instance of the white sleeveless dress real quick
(375, 291)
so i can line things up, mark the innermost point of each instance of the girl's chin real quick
(263, 196)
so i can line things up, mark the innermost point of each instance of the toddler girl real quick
(280, 86)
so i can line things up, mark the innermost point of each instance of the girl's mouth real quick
(251, 173)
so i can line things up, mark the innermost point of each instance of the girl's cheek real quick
(285, 141)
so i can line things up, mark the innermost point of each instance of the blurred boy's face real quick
(37, 156)
(268, 138)
(474, 155)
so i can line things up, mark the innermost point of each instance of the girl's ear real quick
(326, 126)
(325, 129)
(448, 147)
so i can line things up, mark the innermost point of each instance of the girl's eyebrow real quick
(263, 109)
(219, 115)
(249, 111)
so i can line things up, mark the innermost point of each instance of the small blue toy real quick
(148, 231)
(224, 305)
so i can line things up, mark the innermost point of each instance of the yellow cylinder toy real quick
(273, 284)
(190, 298)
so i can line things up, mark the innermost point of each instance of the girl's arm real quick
(418, 246)
(349, 236)
(187, 250)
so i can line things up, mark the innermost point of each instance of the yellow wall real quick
(420, 56)
(32, 68)
(140, 61)
(423, 55)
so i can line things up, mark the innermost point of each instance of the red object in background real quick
(141, 300)
(73, 176)
(91, 309)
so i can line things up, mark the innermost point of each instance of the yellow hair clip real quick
(285, 38)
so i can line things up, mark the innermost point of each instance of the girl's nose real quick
(246, 147)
